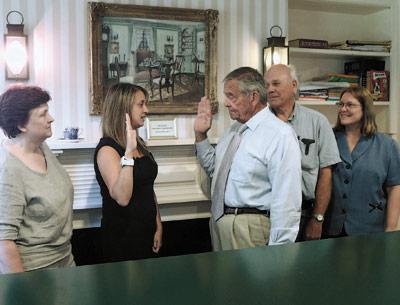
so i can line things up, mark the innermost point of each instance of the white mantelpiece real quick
(181, 186)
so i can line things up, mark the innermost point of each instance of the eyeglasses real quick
(340, 105)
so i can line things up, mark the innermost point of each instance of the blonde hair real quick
(119, 101)
(368, 123)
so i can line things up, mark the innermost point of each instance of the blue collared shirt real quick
(265, 172)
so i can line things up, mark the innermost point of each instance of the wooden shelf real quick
(335, 53)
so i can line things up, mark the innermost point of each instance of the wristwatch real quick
(318, 217)
(127, 162)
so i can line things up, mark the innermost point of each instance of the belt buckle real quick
(236, 211)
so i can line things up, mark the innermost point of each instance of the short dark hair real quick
(249, 80)
(15, 106)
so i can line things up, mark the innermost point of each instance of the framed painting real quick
(171, 52)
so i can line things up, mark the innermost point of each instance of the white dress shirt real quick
(265, 172)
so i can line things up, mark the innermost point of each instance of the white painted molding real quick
(182, 187)
(59, 145)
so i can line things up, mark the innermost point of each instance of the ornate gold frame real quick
(98, 10)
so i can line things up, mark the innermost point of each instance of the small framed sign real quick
(161, 128)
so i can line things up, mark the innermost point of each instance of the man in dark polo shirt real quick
(319, 152)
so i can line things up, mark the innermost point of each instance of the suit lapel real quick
(343, 147)
(361, 147)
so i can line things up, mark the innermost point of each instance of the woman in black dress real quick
(126, 170)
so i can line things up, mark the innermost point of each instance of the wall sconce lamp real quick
(16, 50)
(276, 52)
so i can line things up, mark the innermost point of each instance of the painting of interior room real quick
(165, 57)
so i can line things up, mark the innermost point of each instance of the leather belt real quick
(236, 211)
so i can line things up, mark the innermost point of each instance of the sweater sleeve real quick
(12, 204)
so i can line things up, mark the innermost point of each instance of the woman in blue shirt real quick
(366, 184)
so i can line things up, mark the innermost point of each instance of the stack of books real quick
(334, 93)
(321, 91)
(361, 67)
(340, 77)
(362, 45)
(318, 95)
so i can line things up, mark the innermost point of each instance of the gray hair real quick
(293, 74)
(249, 80)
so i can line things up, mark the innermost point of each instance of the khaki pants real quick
(239, 231)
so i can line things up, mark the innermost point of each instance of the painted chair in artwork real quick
(168, 73)
(166, 79)
(198, 73)
(177, 67)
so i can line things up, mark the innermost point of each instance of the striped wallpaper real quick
(58, 51)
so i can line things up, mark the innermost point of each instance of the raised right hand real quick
(203, 120)
(131, 142)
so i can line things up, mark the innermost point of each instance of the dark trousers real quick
(302, 228)
(307, 207)
(343, 233)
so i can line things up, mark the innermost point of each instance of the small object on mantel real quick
(70, 140)
(72, 133)
(308, 43)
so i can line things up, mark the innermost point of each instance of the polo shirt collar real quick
(292, 115)
(294, 112)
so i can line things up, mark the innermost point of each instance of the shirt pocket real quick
(309, 154)
(243, 169)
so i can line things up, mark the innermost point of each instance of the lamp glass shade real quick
(275, 55)
(16, 57)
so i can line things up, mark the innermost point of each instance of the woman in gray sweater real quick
(35, 191)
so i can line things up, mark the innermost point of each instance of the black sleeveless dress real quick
(128, 232)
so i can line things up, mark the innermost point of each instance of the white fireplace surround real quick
(182, 187)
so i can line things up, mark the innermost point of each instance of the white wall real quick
(58, 50)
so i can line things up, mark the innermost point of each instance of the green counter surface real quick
(353, 270)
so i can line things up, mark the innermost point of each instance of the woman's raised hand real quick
(131, 141)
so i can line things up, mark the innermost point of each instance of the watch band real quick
(127, 162)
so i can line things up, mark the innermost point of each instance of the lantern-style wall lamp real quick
(16, 50)
(276, 52)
